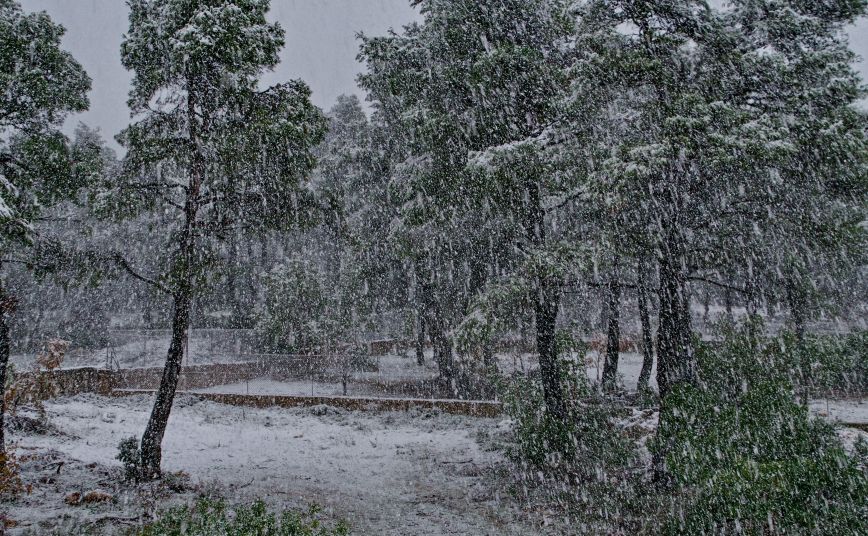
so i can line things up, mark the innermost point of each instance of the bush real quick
(746, 457)
(838, 363)
(210, 517)
(586, 443)
(11, 484)
(128, 455)
(295, 301)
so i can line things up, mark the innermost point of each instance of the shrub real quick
(838, 363)
(209, 517)
(11, 484)
(746, 457)
(585, 443)
(128, 455)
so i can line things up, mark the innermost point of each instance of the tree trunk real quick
(7, 307)
(420, 336)
(798, 305)
(547, 303)
(151, 449)
(674, 346)
(797, 301)
(442, 353)
(613, 297)
(546, 311)
(647, 339)
(675, 359)
(151, 446)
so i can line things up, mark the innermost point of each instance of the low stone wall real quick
(69, 382)
(473, 408)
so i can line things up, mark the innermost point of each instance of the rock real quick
(96, 496)
(91, 497)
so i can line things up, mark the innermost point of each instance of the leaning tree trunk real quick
(647, 338)
(7, 307)
(613, 297)
(151, 448)
(152, 439)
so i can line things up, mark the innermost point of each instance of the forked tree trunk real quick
(613, 340)
(647, 338)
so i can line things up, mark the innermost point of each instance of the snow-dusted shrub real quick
(746, 457)
(210, 517)
(40, 384)
(295, 303)
(11, 484)
(837, 363)
(128, 455)
(586, 443)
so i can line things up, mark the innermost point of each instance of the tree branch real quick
(123, 263)
(720, 284)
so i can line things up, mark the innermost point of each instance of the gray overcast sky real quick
(320, 48)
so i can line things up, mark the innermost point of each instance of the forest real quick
(559, 267)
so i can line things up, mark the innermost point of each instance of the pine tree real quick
(40, 85)
(209, 146)
(474, 77)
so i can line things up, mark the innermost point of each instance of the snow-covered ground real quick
(846, 411)
(386, 473)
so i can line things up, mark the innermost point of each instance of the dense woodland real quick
(690, 178)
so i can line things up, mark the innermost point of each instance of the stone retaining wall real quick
(475, 408)
(69, 382)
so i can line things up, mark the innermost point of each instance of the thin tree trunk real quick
(547, 304)
(647, 338)
(151, 445)
(420, 336)
(613, 297)
(7, 307)
(798, 305)
(151, 448)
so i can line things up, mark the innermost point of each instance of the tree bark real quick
(7, 307)
(647, 339)
(420, 336)
(151, 447)
(797, 301)
(546, 312)
(613, 341)
(674, 346)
